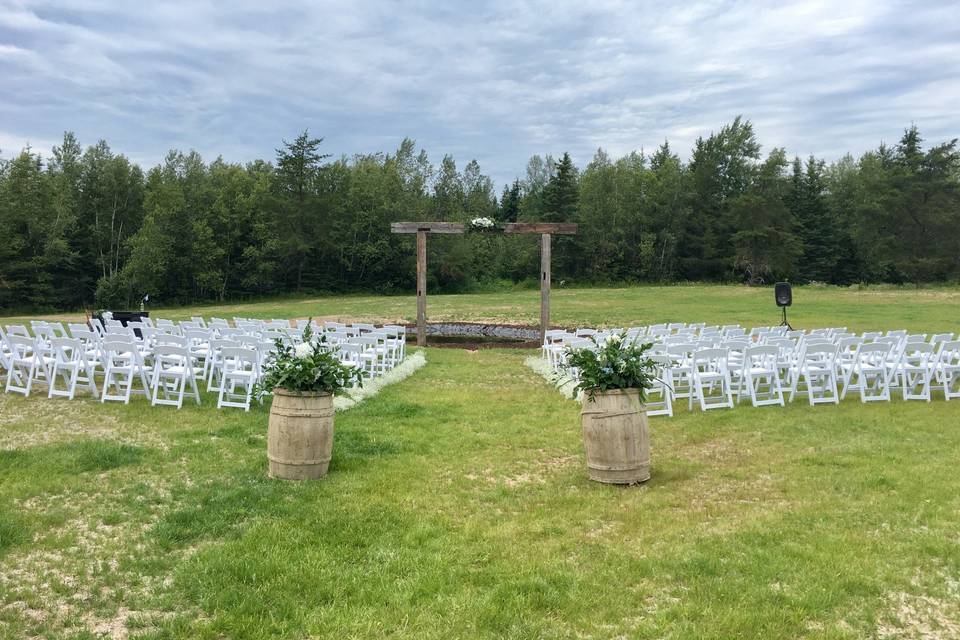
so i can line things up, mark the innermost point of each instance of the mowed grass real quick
(457, 506)
(929, 309)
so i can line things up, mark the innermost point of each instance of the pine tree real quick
(509, 209)
(561, 195)
(816, 225)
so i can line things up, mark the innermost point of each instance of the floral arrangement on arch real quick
(482, 224)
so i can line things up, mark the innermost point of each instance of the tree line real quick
(88, 228)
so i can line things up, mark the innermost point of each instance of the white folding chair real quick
(947, 369)
(69, 359)
(916, 370)
(681, 369)
(817, 374)
(660, 395)
(241, 367)
(761, 376)
(173, 371)
(123, 366)
(27, 364)
(870, 373)
(711, 379)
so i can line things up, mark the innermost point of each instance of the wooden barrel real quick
(300, 435)
(616, 437)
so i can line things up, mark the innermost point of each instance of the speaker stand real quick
(785, 323)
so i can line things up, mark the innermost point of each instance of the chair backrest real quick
(168, 339)
(240, 358)
(197, 337)
(77, 326)
(949, 354)
(762, 356)
(939, 338)
(273, 335)
(711, 359)
(20, 346)
(825, 353)
(168, 355)
(783, 345)
(120, 353)
(97, 325)
(118, 330)
(87, 337)
(874, 353)
(66, 350)
(350, 352)
(918, 353)
(43, 331)
(684, 351)
(400, 332)
(18, 330)
(368, 340)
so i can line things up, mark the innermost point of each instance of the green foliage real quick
(311, 367)
(87, 227)
(616, 363)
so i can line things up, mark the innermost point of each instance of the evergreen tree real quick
(816, 225)
(299, 164)
(509, 209)
(561, 194)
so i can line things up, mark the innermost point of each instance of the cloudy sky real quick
(495, 81)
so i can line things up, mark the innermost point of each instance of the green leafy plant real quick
(310, 367)
(617, 362)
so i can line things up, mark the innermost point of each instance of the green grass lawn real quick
(931, 309)
(457, 504)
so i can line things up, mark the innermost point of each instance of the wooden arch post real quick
(545, 229)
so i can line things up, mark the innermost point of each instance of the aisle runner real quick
(370, 388)
(564, 383)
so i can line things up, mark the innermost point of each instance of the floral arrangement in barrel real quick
(311, 367)
(616, 362)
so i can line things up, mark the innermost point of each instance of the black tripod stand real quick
(785, 323)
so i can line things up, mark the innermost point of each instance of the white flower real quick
(482, 223)
(304, 350)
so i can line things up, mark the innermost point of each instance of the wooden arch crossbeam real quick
(545, 229)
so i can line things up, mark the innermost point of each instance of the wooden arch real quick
(545, 229)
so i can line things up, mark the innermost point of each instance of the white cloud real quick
(497, 81)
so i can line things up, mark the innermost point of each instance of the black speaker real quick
(783, 294)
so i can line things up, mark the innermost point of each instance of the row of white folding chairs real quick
(911, 365)
(374, 353)
(761, 371)
(374, 357)
(170, 370)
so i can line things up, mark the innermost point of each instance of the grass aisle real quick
(458, 507)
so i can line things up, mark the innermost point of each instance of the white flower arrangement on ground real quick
(355, 395)
(482, 224)
(564, 382)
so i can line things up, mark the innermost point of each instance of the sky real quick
(496, 81)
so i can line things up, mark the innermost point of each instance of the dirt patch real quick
(33, 422)
(920, 615)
